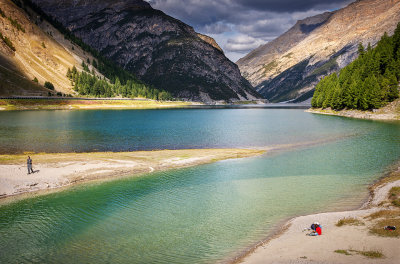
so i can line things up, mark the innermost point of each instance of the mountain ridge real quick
(292, 74)
(159, 49)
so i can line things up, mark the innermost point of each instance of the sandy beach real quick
(390, 112)
(60, 170)
(353, 240)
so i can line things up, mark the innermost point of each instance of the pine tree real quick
(373, 93)
(361, 50)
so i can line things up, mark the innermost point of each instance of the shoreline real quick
(387, 113)
(58, 171)
(288, 234)
(87, 104)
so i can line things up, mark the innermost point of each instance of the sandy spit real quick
(59, 170)
(294, 246)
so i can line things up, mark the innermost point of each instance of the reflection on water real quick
(195, 215)
(126, 130)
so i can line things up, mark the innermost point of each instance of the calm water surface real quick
(203, 214)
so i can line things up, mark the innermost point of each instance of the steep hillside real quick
(36, 59)
(32, 53)
(159, 49)
(369, 82)
(289, 67)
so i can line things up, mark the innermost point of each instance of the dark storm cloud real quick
(205, 12)
(257, 21)
(216, 28)
(290, 5)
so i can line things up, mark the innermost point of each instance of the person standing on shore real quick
(29, 163)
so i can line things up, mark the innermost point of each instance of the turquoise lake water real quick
(202, 214)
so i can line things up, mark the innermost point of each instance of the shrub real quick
(371, 254)
(7, 41)
(378, 228)
(368, 254)
(16, 24)
(394, 195)
(49, 85)
(342, 251)
(35, 80)
(349, 221)
(384, 214)
(2, 13)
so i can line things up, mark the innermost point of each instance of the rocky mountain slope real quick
(289, 67)
(32, 53)
(36, 53)
(159, 49)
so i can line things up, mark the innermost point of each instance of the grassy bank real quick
(66, 104)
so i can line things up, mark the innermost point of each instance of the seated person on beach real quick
(314, 226)
(317, 229)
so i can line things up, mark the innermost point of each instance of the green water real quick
(203, 214)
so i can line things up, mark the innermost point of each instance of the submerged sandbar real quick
(56, 170)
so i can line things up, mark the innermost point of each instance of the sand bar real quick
(64, 169)
(294, 246)
(76, 104)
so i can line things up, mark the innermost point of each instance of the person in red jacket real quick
(318, 230)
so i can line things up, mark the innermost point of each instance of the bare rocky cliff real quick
(159, 49)
(210, 41)
(288, 67)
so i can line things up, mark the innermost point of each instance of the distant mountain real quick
(289, 67)
(159, 49)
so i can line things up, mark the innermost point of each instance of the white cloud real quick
(242, 44)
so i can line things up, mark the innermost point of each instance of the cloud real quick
(290, 5)
(216, 28)
(269, 25)
(258, 20)
(242, 44)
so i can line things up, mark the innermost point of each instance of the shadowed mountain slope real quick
(159, 49)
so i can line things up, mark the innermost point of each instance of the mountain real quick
(157, 48)
(369, 82)
(32, 53)
(289, 67)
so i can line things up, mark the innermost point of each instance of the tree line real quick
(369, 82)
(86, 83)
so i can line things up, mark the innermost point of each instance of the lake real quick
(203, 214)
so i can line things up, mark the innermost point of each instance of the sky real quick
(240, 26)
